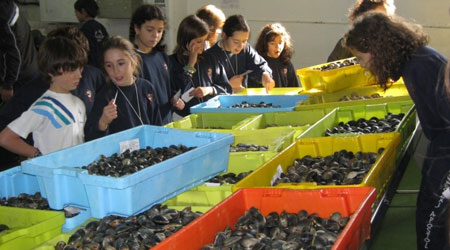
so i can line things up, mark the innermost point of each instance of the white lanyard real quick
(138, 114)
(229, 61)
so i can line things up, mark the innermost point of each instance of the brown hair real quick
(58, 55)
(212, 15)
(268, 33)
(72, 33)
(190, 28)
(122, 44)
(389, 40)
(362, 6)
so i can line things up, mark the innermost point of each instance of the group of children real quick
(144, 84)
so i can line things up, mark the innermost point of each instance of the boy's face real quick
(275, 47)
(66, 82)
(149, 34)
(236, 43)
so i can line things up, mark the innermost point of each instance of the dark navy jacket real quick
(423, 75)
(209, 73)
(96, 34)
(91, 82)
(248, 59)
(283, 75)
(127, 118)
(155, 69)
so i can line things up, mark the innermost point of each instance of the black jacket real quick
(96, 34)
(283, 75)
(339, 52)
(209, 74)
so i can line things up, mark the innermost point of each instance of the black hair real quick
(190, 28)
(90, 6)
(144, 13)
(235, 23)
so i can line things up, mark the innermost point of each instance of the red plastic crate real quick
(348, 201)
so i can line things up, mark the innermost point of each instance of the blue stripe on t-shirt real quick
(61, 106)
(48, 115)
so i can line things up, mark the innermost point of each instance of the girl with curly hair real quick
(391, 48)
(275, 45)
(360, 7)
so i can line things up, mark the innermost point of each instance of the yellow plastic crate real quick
(28, 227)
(274, 91)
(329, 101)
(210, 121)
(334, 80)
(378, 176)
(204, 197)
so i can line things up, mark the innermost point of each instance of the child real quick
(147, 28)
(57, 118)
(95, 32)
(215, 18)
(190, 70)
(391, 48)
(274, 44)
(360, 7)
(126, 101)
(238, 57)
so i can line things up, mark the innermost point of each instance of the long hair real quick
(190, 28)
(144, 13)
(390, 41)
(268, 34)
(212, 15)
(362, 6)
(122, 44)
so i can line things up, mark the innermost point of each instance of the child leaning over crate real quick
(275, 45)
(57, 118)
(239, 58)
(193, 73)
(126, 101)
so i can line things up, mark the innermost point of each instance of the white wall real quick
(315, 25)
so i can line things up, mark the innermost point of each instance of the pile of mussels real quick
(33, 201)
(341, 168)
(245, 104)
(337, 65)
(244, 147)
(363, 126)
(118, 165)
(229, 178)
(354, 96)
(290, 231)
(142, 231)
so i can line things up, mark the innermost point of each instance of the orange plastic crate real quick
(354, 202)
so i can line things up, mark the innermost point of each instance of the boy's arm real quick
(12, 142)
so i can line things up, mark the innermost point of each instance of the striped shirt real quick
(56, 121)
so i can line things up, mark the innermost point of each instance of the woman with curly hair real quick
(360, 7)
(391, 48)
(275, 45)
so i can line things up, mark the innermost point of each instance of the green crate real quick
(346, 114)
(298, 120)
(204, 197)
(329, 101)
(276, 139)
(28, 227)
(207, 121)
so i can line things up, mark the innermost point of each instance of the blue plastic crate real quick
(131, 194)
(220, 103)
(13, 182)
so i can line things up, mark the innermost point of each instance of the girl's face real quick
(198, 44)
(149, 34)
(363, 58)
(67, 81)
(236, 43)
(119, 67)
(275, 47)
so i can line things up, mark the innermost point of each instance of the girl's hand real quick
(195, 49)
(178, 104)
(236, 81)
(200, 92)
(267, 81)
(108, 115)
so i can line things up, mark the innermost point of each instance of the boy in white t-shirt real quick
(57, 118)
